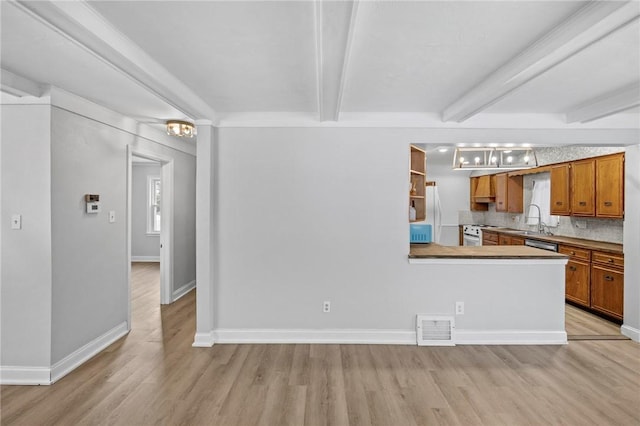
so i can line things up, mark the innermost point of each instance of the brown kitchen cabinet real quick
(561, 189)
(607, 284)
(577, 275)
(417, 178)
(517, 241)
(504, 240)
(489, 238)
(610, 186)
(509, 193)
(583, 187)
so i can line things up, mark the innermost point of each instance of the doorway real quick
(153, 190)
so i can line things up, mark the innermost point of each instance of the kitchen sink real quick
(525, 233)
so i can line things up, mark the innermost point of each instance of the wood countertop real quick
(576, 242)
(436, 251)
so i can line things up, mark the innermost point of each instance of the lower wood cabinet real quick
(607, 284)
(595, 280)
(489, 238)
(577, 282)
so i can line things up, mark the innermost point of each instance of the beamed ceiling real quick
(567, 62)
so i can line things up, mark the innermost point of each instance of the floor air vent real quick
(435, 330)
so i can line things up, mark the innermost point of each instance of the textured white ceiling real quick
(245, 57)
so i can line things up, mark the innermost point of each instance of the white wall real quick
(143, 245)
(64, 276)
(631, 325)
(26, 253)
(89, 253)
(308, 215)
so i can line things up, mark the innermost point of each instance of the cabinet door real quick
(583, 182)
(501, 192)
(607, 290)
(577, 282)
(504, 240)
(517, 241)
(514, 194)
(560, 190)
(610, 186)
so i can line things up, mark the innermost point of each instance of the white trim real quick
(630, 332)
(608, 104)
(182, 291)
(88, 351)
(10, 375)
(594, 21)
(510, 337)
(484, 261)
(18, 85)
(145, 258)
(84, 26)
(327, 336)
(374, 337)
(203, 340)
(93, 111)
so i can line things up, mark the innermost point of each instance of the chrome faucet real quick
(540, 224)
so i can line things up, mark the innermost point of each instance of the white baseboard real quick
(177, 294)
(203, 340)
(10, 375)
(630, 332)
(88, 351)
(329, 336)
(510, 337)
(375, 337)
(145, 258)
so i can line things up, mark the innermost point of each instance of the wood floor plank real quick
(154, 376)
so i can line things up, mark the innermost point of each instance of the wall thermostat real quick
(93, 203)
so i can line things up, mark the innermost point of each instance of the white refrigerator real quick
(434, 211)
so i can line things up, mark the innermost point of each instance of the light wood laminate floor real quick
(154, 376)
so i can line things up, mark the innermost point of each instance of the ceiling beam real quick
(19, 86)
(619, 100)
(592, 22)
(335, 26)
(83, 25)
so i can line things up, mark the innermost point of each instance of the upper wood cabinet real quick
(610, 186)
(509, 193)
(583, 184)
(417, 179)
(560, 189)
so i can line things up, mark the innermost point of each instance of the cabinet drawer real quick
(608, 259)
(575, 252)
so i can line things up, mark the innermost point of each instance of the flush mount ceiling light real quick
(493, 158)
(180, 128)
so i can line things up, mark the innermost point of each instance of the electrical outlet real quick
(16, 221)
(581, 224)
(326, 306)
(459, 308)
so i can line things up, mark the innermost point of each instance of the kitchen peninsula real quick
(513, 294)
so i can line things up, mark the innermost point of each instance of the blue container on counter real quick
(420, 233)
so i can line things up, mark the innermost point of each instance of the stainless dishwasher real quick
(541, 245)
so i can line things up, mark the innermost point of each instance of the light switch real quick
(16, 221)
(112, 216)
